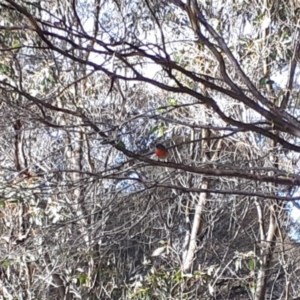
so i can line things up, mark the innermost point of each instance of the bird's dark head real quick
(160, 147)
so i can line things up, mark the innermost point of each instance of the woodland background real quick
(87, 88)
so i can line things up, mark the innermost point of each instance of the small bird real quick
(161, 151)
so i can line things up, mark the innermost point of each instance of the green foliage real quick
(173, 102)
(163, 283)
(4, 69)
(265, 81)
(121, 144)
(83, 279)
(154, 129)
(252, 264)
(16, 46)
(7, 263)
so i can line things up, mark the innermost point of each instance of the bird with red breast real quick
(161, 151)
